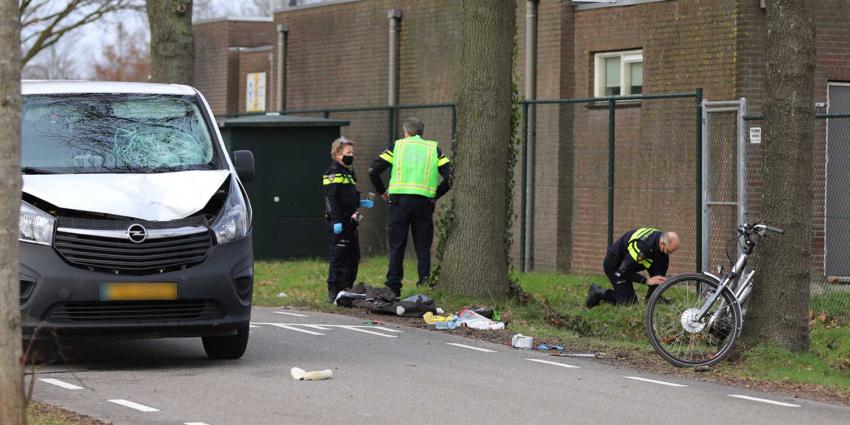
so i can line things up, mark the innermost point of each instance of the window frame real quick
(626, 57)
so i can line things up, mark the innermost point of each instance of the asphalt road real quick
(387, 375)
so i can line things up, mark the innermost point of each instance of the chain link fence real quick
(830, 296)
(603, 166)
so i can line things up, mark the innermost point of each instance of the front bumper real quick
(222, 283)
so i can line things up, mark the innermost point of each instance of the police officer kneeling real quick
(637, 250)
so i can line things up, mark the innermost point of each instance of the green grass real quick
(43, 414)
(556, 314)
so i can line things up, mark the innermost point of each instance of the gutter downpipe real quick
(282, 35)
(530, 94)
(394, 15)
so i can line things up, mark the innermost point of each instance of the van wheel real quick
(227, 347)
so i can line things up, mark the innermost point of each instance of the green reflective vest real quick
(634, 251)
(415, 164)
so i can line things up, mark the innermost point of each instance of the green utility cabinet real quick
(290, 153)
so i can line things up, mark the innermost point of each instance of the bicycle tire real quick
(725, 331)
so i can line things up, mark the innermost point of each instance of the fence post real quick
(454, 128)
(698, 172)
(612, 128)
(390, 125)
(524, 198)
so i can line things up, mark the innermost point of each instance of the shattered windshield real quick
(114, 133)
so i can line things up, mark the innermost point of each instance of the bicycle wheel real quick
(680, 339)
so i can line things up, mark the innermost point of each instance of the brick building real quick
(337, 56)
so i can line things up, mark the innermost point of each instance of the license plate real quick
(138, 291)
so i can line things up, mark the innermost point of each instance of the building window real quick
(618, 73)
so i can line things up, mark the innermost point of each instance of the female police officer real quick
(341, 202)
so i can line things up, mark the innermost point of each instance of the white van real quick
(134, 221)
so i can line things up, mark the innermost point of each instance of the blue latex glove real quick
(337, 228)
(366, 203)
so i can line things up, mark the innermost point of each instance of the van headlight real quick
(232, 223)
(36, 226)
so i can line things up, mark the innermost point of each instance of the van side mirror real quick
(243, 161)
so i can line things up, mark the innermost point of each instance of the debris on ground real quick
(522, 341)
(282, 295)
(544, 347)
(299, 374)
(384, 301)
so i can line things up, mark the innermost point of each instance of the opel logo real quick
(137, 233)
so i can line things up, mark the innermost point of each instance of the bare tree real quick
(45, 22)
(780, 301)
(11, 373)
(475, 261)
(172, 43)
(127, 59)
(57, 62)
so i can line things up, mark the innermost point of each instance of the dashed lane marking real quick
(61, 384)
(568, 366)
(132, 405)
(286, 313)
(293, 328)
(484, 350)
(366, 331)
(669, 384)
(763, 400)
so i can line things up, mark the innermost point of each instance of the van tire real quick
(227, 347)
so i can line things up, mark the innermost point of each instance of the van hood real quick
(150, 197)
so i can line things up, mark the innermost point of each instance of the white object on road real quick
(764, 400)
(522, 341)
(301, 375)
(61, 384)
(135, 406)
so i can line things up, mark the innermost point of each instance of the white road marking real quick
(194, 423)
(568, 366)
(386, 329)
(471, 348)
(318, 327)
(286, 313)
(352, 328)
(293, 328)
(61, 384)
(136, 406)
(655, 382)
(762, 400)
(253, 326)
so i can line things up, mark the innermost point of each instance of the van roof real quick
(79, 87)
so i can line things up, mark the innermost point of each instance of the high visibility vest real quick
(634, 251)
(415, 162)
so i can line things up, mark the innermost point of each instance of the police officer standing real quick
(637, 250)
(414, 187)
(341, 202)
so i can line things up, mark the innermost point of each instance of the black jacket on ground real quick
(628, 269)
(341, 196)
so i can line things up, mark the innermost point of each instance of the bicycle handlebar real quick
(774, 229)
(761, 229)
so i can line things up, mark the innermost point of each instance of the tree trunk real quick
(475, 261)
(780, 301)
(11, 376)
(172, 42)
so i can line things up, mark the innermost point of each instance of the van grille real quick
(122, 255)
(135, 311)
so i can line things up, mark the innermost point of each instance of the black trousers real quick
(624, 291)
(414, 213)
(343, 257)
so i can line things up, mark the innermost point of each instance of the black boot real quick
(332, 295)
(595, 295)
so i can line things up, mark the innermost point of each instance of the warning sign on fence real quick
(755, 135)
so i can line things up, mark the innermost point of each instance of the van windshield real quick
(114, 133)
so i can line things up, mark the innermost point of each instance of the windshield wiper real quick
(34, 170)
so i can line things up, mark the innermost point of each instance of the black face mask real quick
(348, 159)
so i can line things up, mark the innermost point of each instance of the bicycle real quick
(700, 316)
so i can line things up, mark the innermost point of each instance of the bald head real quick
(669, 242)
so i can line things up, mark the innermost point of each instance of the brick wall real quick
(216, 66)
(250, 61)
